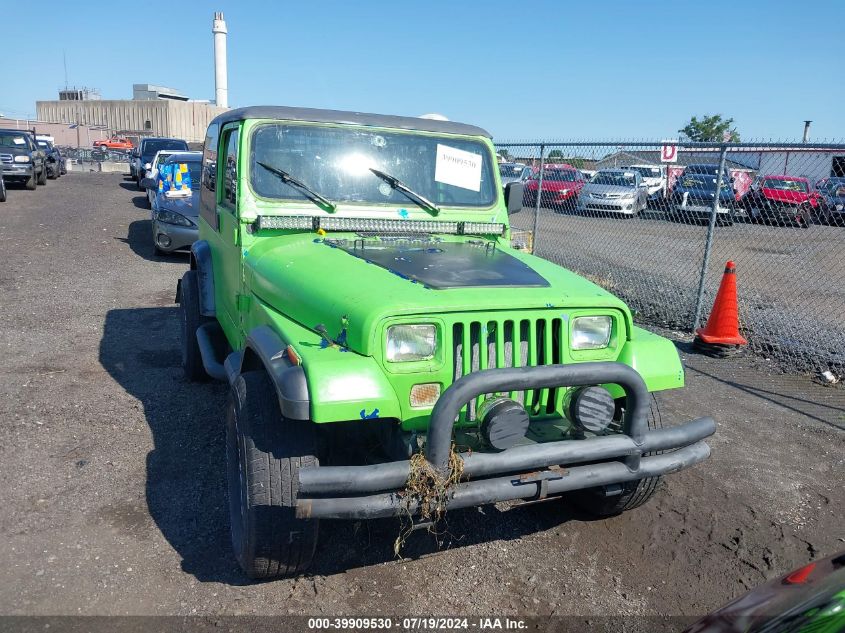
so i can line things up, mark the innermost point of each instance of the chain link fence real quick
(655, 223)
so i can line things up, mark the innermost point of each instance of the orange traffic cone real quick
(721, 334)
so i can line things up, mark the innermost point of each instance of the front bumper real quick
(702, 209)
(522, 472)
(549, 198)
(626, 206)
(781, 211)
(18, 171)
(171, 237)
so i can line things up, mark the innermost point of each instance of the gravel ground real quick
(112, 485)
(790, 280)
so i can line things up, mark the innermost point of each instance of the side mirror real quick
(147, 165)
(513, 196)
(148, 183)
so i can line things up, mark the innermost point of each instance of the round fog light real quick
(591, 409)
(163, 240)
(504, 422)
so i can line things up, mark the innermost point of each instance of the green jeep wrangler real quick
(355, 285)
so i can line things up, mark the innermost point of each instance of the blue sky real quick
(523, 70)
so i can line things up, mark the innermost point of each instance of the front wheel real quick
(190, 321)
(264, 453)
(42, 177)
(597, 502)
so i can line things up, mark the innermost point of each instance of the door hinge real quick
(243, 302)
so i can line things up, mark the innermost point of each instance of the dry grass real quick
(426, 494)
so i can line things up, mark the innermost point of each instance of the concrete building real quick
(149, 92)
(152, 117)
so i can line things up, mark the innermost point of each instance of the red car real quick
(114, 143)
(561, 184)
(783, 199)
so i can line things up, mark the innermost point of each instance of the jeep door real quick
(219, 210)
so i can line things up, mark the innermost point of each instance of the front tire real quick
(42, 177)
(264, 453)
(31, 182)
(634, 493)
(190, 321)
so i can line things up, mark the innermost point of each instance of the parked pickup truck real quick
(654, 177)
(388, 353)
(114, 142)
(23, 161)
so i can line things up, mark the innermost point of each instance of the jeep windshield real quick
(337, 163)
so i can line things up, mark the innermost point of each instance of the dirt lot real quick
(112, 486)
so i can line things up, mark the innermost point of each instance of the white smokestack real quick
(221, 81)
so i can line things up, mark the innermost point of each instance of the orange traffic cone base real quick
(701, 333)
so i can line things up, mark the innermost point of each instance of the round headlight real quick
(411, 342)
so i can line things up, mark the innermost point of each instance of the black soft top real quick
(313, 115)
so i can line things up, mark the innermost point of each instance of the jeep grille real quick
(496, 343)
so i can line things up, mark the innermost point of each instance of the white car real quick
(654, 177)
(152, 172)
(617, 191)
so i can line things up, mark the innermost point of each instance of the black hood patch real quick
(443, 265)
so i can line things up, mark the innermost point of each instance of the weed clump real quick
(426, 493)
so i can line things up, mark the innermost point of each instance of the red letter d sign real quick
(669, 152)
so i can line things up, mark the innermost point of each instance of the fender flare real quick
(201, 262)
(265, 349)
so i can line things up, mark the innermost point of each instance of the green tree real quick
(504, 153)
(555, 153)
(710, 128)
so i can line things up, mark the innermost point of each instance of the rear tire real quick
(190, 320)
(264, 453)
(634, 493)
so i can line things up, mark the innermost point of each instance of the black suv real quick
(145, 152)
(55, 163)
(22, 159)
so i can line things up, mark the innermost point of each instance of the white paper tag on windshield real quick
(458, 168)
(18, 140)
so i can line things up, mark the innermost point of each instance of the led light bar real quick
(374, 225)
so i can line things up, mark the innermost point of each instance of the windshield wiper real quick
(409, 193)
(304, 189)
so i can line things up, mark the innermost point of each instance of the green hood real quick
(313, 281)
